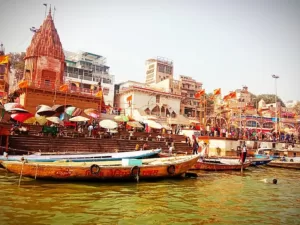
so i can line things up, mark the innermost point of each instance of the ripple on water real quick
(213, 198)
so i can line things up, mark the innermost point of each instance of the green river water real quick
(212, 198)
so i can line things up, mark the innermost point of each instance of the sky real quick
(223, 44)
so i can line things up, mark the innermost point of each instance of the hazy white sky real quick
(221, 43)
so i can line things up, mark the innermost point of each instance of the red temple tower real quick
(43, 80)
(45, 59)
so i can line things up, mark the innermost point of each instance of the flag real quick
(23, 84)
(233, 94)
(129, 98)
(226, 97)
(3, 59)
(99, 94)
(198, 94)
(217, 91)
(64, 87)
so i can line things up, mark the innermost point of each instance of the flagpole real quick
(45, 4)
(54, 12)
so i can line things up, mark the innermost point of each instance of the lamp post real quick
(275, 78)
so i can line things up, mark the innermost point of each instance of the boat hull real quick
(260, 162)
(218, 166)
(287, 165)
(151, 169)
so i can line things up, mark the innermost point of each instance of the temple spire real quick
(49, 10)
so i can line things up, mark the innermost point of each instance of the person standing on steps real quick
(195, 145)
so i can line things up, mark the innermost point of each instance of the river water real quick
(212, 198)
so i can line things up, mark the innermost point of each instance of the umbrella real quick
(150, 117)
(30, 120)
(73, 111)
(121, 118)
(21, 117)
(79, 119)
(59, 108)
(70, 110)
(153, 124)
(92, 113)
(55, 119)
(135, 124)
(44, 110)
(14, 107)
(109, 124)
(41, 119)
(77, 112)
(10, 105)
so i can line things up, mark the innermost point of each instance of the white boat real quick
(93, 157)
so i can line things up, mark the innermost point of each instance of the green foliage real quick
(269, 99)
(17, 63)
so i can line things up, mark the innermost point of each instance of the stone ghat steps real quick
(49, 144)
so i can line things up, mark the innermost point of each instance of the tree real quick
(269, 99)
(296, 108)
(17, 63)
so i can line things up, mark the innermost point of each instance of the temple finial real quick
(50, 10)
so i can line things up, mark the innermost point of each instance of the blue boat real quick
(260, 161)
(86, 157)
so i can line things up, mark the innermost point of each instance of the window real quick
(47, 82)
(157, 98)
(168, 69)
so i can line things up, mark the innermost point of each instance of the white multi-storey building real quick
(138, 99)
(88, 71)
(158, 70)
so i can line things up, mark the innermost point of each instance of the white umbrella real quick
(79, 119)
(149, 117)
(108, 124)
(55, 119)
(153, 124)
(44, 110)
(12, 106)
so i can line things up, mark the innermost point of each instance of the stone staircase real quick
(23, 144)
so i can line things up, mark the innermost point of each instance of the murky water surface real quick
(212, 198)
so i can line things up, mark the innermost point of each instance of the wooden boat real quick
(84, 157)
(219, 165)
(107, 170)
(284, 164)
(259, 161)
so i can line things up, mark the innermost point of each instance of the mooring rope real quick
(36, 171)
(21, 173)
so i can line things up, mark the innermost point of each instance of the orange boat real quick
(107, 170)
(200, 165)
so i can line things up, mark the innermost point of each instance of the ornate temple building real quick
(43, 81)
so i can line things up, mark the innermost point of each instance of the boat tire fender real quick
(95, 169)
(291, 160)
(171, 169)
(135, 171)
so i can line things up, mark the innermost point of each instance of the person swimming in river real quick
(274, 181)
